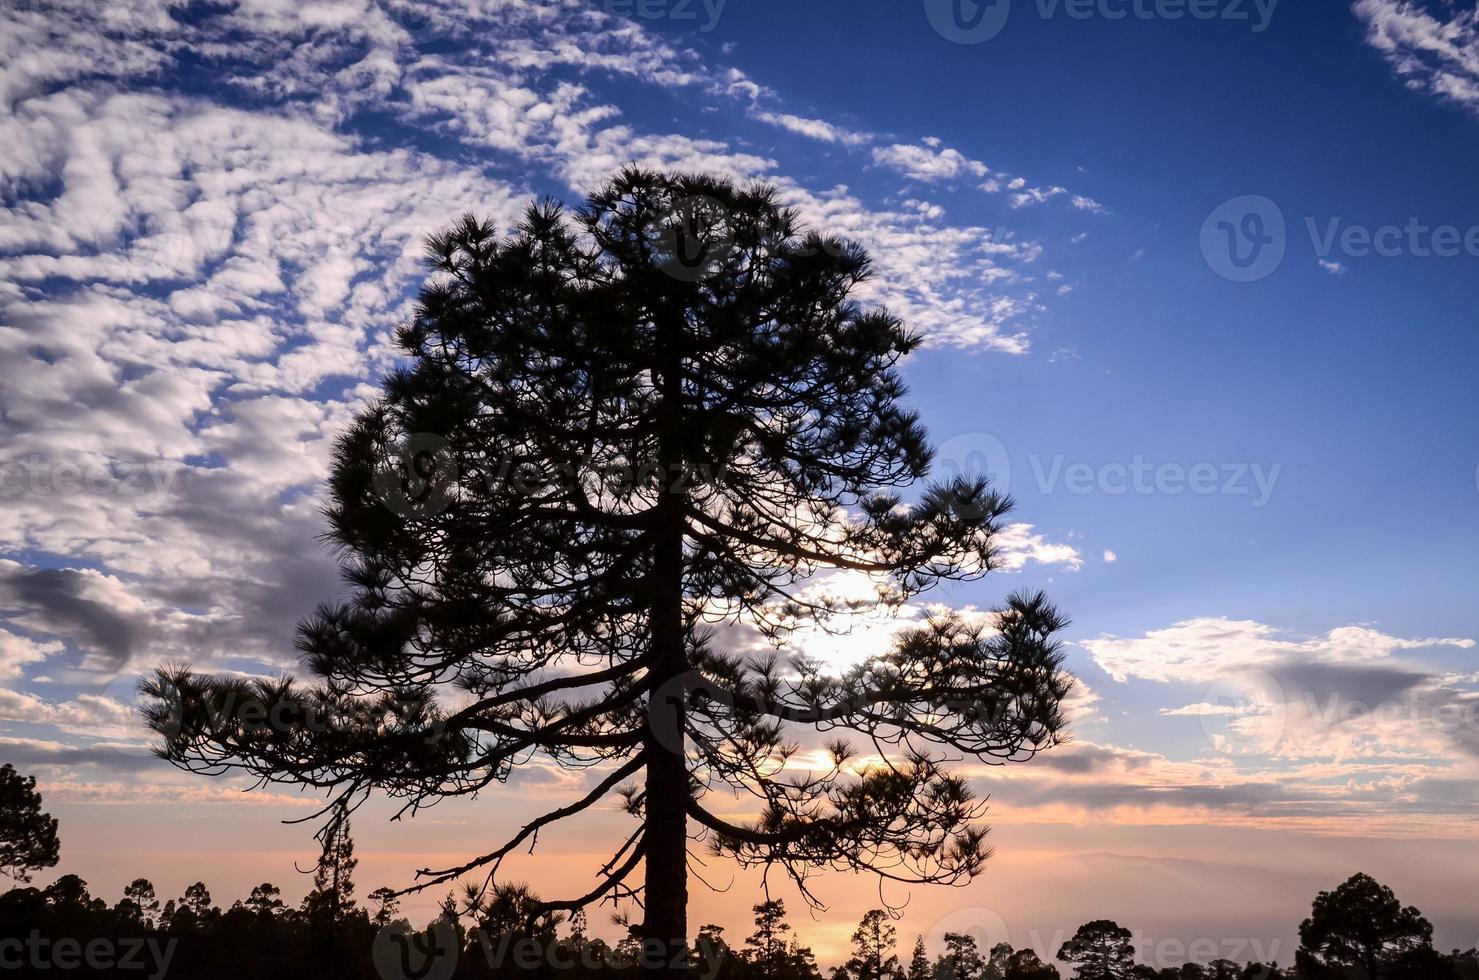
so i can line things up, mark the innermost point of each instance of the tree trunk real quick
(665, 840)
(666, 837)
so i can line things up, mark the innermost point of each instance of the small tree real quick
(919, 962)
(767, 946)
(962, 959)
(873, 948)
(1025, 964)
(996, 961)
(265, 899)
(387, 906)
(139, 893)
(1361, 926)
(617, 438)
(68, 892)
(193, 908)
(28, 838)
(332, 897)
(709, 948)
(1100, 950)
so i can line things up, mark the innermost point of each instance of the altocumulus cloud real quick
(212, 221)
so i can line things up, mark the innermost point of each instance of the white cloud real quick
(1431, 47)
(1348, 696)
(1021, 544)
(199, 278)
(817, 129)
(16, 652)
(925, 163)
(1199, 651)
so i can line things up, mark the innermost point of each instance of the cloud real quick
(1336, 269)
(86, 605)
(208, 233)
(1020, 544)
(1199, 651)
(1349, 697)
(817, 129)
(1431, 47)
(17, 652)
(928, 163)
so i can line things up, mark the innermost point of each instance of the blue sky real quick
(211, 218)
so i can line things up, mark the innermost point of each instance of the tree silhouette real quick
(621, 434)
(28, 839)
(1100, 950)
(772, 950)
(261, 939)
(766, 947)
(1025, 964)
(140, 902)
(919, 962)
(962, 959)
(193, 910)
(1361, 926)
(69, 892)
(873, 948)
(387, 906)
(333, 877)
(265, 900)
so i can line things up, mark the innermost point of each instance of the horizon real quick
(1195, 288)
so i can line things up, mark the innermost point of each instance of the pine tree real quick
(387, 905)
(1362, 926)
(620, 436)
(265, 899)
(1100, 950)
(962, 959)
(919, 962)
(332, 897)
(873, 948)
(142, 902)
(28, 837)
(766, 947)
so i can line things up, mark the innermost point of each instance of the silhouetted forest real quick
(1358, 931)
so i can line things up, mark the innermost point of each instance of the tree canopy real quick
(1362, 926)
(28, 837)
(621, 436)
(1100, 950)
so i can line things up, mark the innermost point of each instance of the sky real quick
(1197, 282)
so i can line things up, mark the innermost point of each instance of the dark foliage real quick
(1361, 930)
(618, 434)
(28, 839)
(1100, 950)
(490, 939)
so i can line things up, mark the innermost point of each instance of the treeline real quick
(1357, 932)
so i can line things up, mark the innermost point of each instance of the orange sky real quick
(1243, 889)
